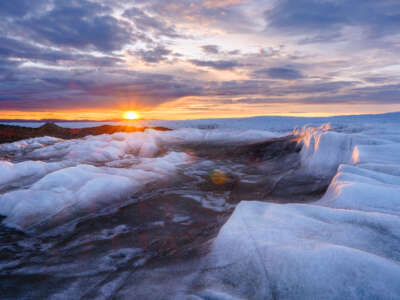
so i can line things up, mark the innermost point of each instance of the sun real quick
(131, 115)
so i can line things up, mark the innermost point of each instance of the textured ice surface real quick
(344, 246)
(269, 251)
(52, 180)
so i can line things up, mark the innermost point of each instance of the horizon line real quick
(145, 119)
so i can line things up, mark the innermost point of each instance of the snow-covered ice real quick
(60, 179)
(344, 246)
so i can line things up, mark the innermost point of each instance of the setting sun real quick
(131, 115)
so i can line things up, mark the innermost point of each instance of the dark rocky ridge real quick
(11, 133)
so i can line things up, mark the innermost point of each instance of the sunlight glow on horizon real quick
(171, 111)
(131, 115)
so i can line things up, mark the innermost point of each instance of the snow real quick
(58, 180)
(73, 191)
(13, 173)
(29, 144)
(305, 252)
(344, 246)
(104, 148)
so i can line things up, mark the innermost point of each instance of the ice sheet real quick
(344, 246)
(58, 179)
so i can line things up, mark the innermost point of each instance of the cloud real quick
(323, 21)
(154, 55)
(378, 79)
(270, 52)
(221, 3)
(59, 54)
(216, 64)
(279, 73)
(224, 14)
(18, 8)
(237, 87)
(17, 49)
(80, 25)
(212, 49)
(41, 89)
(7, 69)
(388, 93)
(144, 22)
(313, 87)
(385, 94)
(272, 89)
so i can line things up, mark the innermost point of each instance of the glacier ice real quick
(58, 179)
(344, 246)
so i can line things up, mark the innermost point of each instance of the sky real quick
(184, 59)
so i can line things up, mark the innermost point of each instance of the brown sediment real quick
(11, 133)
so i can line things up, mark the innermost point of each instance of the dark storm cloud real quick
(216, 64)
(323, 20)
(279, 73)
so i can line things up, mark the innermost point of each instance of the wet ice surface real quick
(84, 216)
(141, 216)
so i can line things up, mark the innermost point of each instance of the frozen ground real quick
(114, 215)
(44, 179)
(344, 246)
